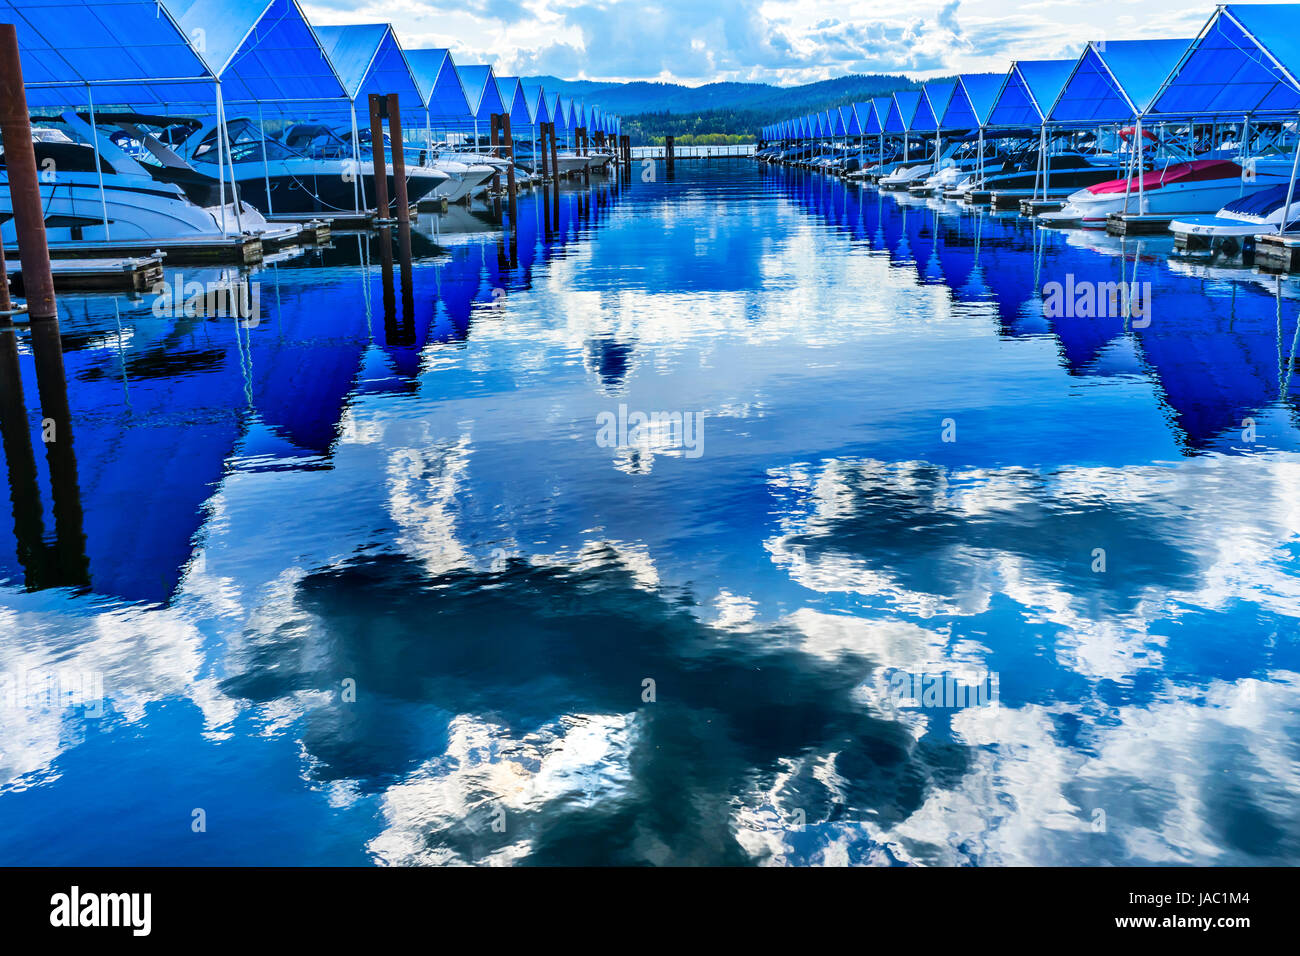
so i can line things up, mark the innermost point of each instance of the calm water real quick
(365, 587)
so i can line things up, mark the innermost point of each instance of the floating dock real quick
(239, 250)
(1032, 207)
(135, 274)
(1137, 224)
(1277, 253)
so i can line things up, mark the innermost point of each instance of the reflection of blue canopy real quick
(1115, 81)
(369, 60)
(902, 111)
(1030, 89)
(482, 91)
(1246, 60)
(435, 73)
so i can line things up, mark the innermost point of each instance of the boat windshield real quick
(247, 144)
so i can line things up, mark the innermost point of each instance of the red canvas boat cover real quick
(1196, 171)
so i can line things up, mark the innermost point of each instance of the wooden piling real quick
(669, 152)
(24, 184)
(399, 159)
(377, 155)
(495, 120)
(509, 140)
(546, 157)
(555, 155)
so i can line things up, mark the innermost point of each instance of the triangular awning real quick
(938, 93)
(119, 46)
(435, 73)
(1246, 60)
(482, 91)
(1030, 89)
(902, 110)
(1115, 80)
(369, 60)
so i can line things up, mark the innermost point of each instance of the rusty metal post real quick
(377, 105)
(399, 159)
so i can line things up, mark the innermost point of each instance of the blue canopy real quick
(868, 122)
(536, 97)
(1030, 89)
(1116, 80)
(439, 82)
(1245, 61)
(369, 60)
(882, 106)
(558, 108)
(849, 120)
(938, 94)
(972, 100)
(902, 111)
(134, 49)
(512, 94)
(482, 91)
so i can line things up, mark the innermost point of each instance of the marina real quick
(405, 468)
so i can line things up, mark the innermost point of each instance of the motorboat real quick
(324, 142)
(99, 192)
(1235, 225)
(1198, 186)
(276, 178)
(1066, 173)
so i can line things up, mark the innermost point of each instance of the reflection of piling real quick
(546, 208)
(42, 310)
(29, 529)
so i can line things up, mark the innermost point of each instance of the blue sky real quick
(775, 41)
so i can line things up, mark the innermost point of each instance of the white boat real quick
(1200, 186)
(133, 203)
(1242, 219)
